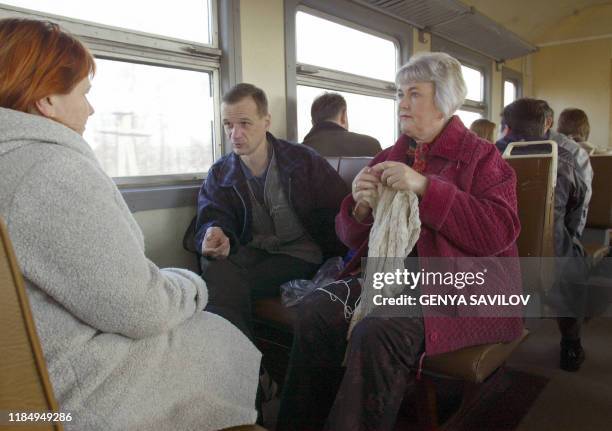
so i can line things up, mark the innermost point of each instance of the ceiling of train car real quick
(537, 20)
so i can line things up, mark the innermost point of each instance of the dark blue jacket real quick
(313, 187)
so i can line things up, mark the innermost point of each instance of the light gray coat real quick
(127, 344)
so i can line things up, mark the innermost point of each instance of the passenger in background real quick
(574, 123)
(329, 134)
(484, 129)
(266, 211)
(529, 120)
(127, 344)
(582, 162)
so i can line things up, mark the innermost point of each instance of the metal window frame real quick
(516, 78)
(473, 60)
(354, 16)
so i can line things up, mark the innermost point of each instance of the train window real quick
(190, 22)
(324, 43)
(477, 72)
(474, 80)
(151, 120)
(374, 116)
(468, 117)
(156, 90)
(360, 64)
(509, 92)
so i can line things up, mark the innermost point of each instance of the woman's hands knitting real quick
(365, 192)
(400, 176)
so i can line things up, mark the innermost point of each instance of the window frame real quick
(516, 78)
(119, 44)
(357, 17)
(473, 60)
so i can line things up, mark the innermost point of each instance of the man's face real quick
(244, 127)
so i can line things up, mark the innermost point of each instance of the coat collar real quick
(448, 144)
(231, 173)
(324, 125)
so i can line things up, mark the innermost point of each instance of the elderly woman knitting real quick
(466, 200)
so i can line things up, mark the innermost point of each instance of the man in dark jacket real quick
(527, 121)
(266, 211)
(329, 134)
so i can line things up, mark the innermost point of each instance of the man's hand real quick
(215, 244)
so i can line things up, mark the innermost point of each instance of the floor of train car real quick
(536, 391)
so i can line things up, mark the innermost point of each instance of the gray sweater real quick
(127, 344)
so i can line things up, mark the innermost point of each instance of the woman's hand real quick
(365, 191)
(400, 176)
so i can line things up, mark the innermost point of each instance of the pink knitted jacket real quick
(468, 209)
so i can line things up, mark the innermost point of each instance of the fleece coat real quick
(127, 344)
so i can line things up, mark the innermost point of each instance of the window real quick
(512, 86)
(374, 116)
(509, 92)
(357, 62)
(476, 70)
(156, 119)
(137, 129)
(190, 21)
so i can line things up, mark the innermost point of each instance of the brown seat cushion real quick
(474, 363)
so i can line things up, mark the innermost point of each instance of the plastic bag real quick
(293, 291)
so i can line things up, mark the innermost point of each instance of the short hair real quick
(444, 72)
(574, 122)
(484, 129)
(242, 91)
(525, 117)
(38, 59)
(548, 111)
(327, 107)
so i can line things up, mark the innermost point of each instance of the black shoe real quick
(572, 355)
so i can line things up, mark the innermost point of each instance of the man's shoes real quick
(572, 355)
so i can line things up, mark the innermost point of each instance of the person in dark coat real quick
(330, 136)
(266, 211)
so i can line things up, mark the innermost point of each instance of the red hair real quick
(38, 59)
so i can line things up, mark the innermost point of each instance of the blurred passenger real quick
(266, 211)
(467, 207)
(484, 129)
(330, 135)
(582, 162)
(126, 343)
(574, 123)
(529, 120)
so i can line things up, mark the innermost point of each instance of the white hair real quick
(444, 72)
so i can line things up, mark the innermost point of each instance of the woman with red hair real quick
(127, 344)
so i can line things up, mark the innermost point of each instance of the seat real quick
(600, 207)
(24, 381)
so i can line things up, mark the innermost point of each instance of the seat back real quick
(349, 167)
(24, 381)
(600, 207)
(535, 165)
